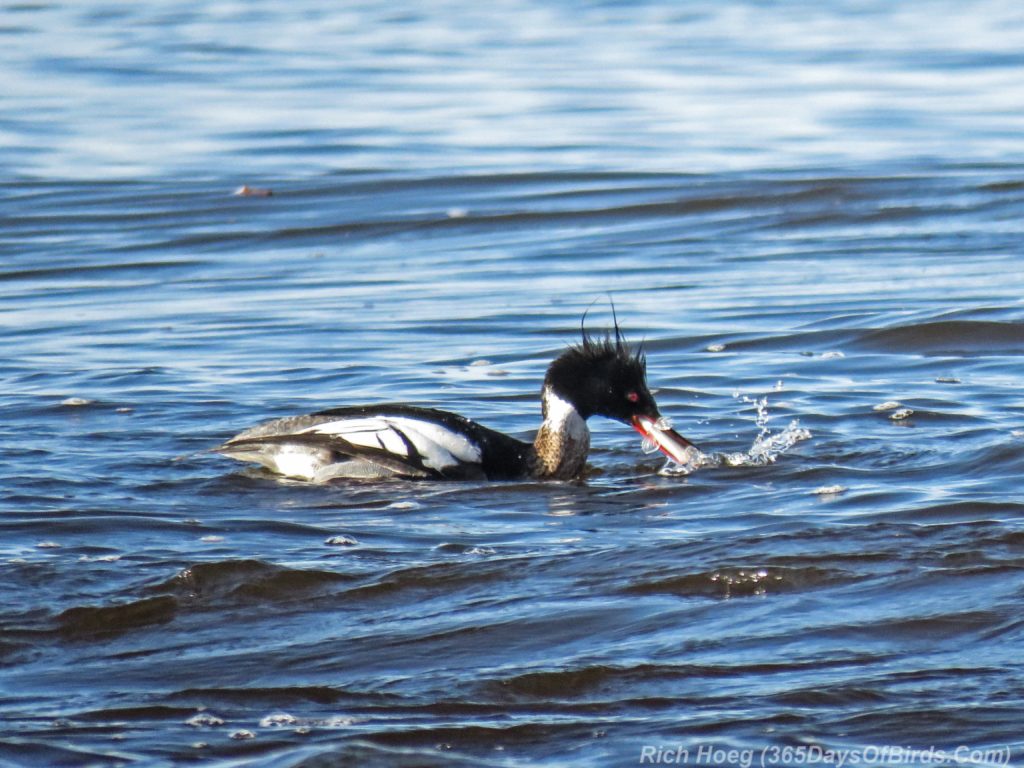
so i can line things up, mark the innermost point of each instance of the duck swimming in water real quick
(597, 377)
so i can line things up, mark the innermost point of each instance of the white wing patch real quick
(369, 432)
(296, 462)
(437, 446)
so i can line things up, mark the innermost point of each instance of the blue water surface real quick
(809, 212)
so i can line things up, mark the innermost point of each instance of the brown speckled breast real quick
(560, 455)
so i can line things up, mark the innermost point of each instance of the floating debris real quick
(457, 213)
(243, 734)
(246, 191)
(832, 355)
(47, 545)
(337, 721)
(76, 402)
(888, 405)
(278, 720)
(947, 380)
(204, 720)
(341, 540)
(901, 414)
(403, 505)
(830, 490)
(715, 347)
(212, 539)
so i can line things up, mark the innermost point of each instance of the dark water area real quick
(811, 214)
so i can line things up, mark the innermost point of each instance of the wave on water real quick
(767, 447)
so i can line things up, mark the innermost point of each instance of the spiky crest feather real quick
(600, 349)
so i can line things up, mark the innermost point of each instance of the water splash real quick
(766, 448)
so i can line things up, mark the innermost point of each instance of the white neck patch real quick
(562, 417)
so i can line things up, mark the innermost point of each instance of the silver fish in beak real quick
(659, 435)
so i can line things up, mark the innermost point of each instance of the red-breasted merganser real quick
(602, 377)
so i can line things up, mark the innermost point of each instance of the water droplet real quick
(694, 461)
(766, 448)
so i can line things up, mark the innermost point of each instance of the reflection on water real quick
(101, 91)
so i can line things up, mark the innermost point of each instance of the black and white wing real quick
(399, 441)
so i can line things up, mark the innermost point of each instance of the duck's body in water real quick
(594, 378)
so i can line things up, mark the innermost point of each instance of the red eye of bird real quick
(632, 397)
